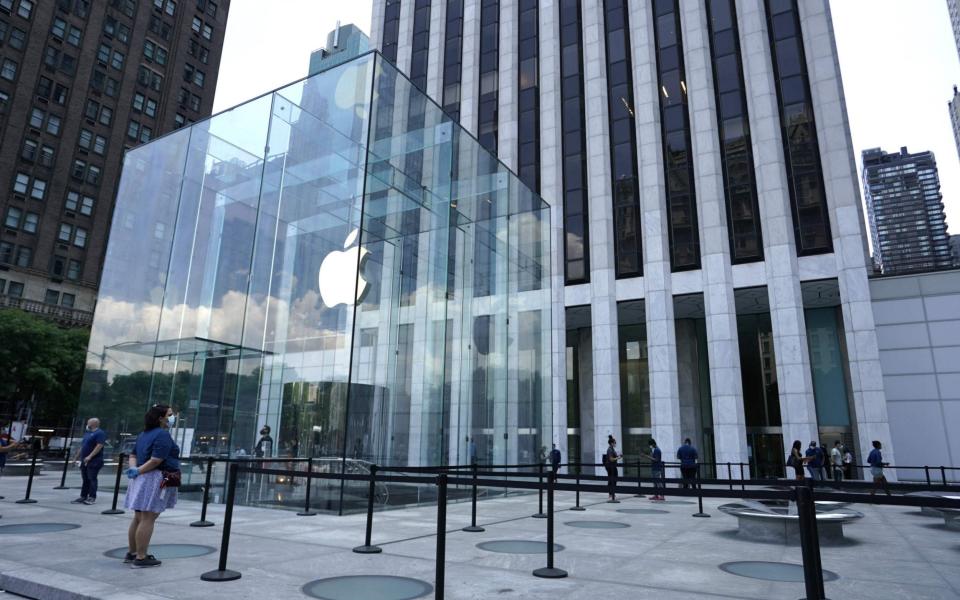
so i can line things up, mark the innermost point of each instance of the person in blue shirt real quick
(875, 460)
(656, 471)
(555, 458)
(89, 458)
(687, 455)
(154, 455)
(814, 461)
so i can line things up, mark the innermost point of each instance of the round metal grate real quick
(167, 551)
(517, 547)
(771, 571)
(372, 587)
(643, 511)
(597, 524)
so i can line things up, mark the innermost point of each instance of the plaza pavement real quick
(893, 552)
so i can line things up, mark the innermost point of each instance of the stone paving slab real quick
(893, 552)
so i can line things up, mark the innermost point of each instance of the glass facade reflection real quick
(287, 263)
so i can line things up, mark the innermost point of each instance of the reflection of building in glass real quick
(261, 272)
(907, 222)
(710, 258)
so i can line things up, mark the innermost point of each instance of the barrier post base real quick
(577, 508)
(613, 502)
(111, 511)
(62, 487)
(307, 513)
(26, 501)
(701, 515)
(550, 573)
(218, 575)
(368, 549)
(202, 524)
(473, 529)
(539, 516)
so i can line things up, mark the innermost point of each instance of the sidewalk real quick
(893, 552)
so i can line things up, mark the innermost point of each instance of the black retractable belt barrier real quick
(540, 514)
(699, 485)
(203, 522)
(810, 544)
(926, 470)
(639, 493)
(730, 475)
(33, 468)
(368, 547)
(222, 573)
(550, 572)
(943, 474)
(578, 507)
(66, 463)
(473, 528)
(441, 535)
(116, 488)
(306, 512)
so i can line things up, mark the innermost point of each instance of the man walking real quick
(836, 462)
(555, 459)
(687, 455)
(90, 461)
(815, 457)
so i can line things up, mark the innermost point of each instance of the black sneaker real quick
(129, 557)
(90, 501)
(79, 500)
(147, 561)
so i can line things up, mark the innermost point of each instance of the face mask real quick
(171, 420)
(263, 432)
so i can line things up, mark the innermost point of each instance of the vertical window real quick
(489, 74)
(52, 297)
(739, 182)
(675, 131)
(574, 146)
(59, 28)
(808, 198)
(391, 30)
(53, 125)
(24, 256)
(20, 183)
(38, 189)
(13, 217)
(420, 45)
(65, 232)
(623, 141)
(73, 269)
(9, 69)
(528, 109)
(67, 300)
(452, 59)
(80, 237)
(30, 222)
(36, 118)
(25, 9)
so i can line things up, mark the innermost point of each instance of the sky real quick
(897, 58)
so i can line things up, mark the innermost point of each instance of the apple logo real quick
(339, 273)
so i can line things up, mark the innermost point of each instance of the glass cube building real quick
(338, 260)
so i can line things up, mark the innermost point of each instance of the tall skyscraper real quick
(908, 226)
(953, 7)
(343, 43)
(81, 82)
(709, 252)
(954, 106)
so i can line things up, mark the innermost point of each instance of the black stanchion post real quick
(368, 547)
(222, 573)
(203, 522)
(306, 512)
(926, 470)
(33, 468)
(472, 528)
(810, 544)
(578, 507)
(743, 485)
(66, 463)
(540, 514)
(113, 510)
(549, 571)
(441, 535)
(639, 493)
(730, 475)
(699, 512)
(943, 475)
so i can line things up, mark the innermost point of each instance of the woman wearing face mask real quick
(156, 456)
(610, 458)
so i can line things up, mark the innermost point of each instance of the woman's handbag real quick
(170, 479)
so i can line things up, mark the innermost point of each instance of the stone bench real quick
(774, 522)
(951, 518)
(931, 511)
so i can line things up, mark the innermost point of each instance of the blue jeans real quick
(815, 473)
(89, 475)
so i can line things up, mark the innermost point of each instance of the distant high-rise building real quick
(955, 249)
(343, 43)
(954, 7)
(80, 82)
(908, 226)
(955, 117)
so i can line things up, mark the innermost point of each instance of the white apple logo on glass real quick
(339, 273)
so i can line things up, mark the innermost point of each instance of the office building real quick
(953, 7)
(954, 107)
(80, 83)
(709, 251)
(343, 44)
(908, 226)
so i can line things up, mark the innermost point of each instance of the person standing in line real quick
(656, 471)
(555, 458)
(836, 462)
(89, 458)
(264, 447)
(875, 460)
(814, 462)
(796, 460)
(610, 458)
(848, 464)
(687, 455)
(156, 457)
(472, 450)
(6, 447)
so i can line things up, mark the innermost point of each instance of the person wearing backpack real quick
(796, 460)
(610, 458)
